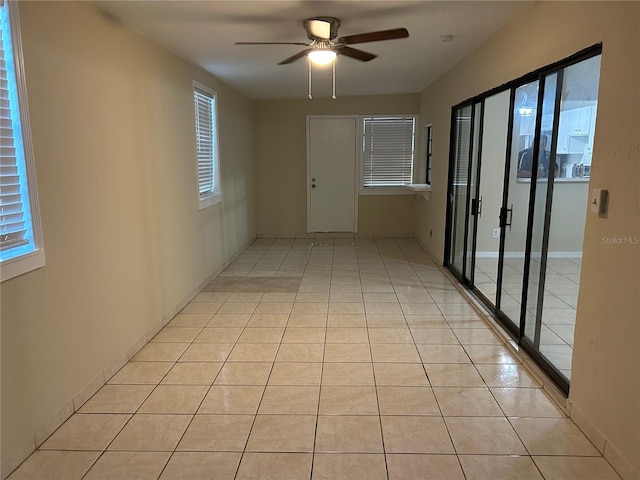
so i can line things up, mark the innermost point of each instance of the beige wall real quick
(113, 133)
(568, 215)
(281, 164)
(605, 387)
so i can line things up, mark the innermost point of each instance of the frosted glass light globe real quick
(322, 56)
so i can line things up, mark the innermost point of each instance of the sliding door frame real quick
(453, 150)
(474, 207)
(515, 327)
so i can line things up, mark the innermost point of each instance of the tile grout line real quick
(208, 389)
(375, 386)
(440, 408)
(436, 398)
(324, 347)
(255, 416)
(132, 415)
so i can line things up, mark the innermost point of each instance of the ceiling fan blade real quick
(272, 43)
(374, 36)
(354, 53)
(295, 57)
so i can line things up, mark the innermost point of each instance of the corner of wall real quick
(608, 450)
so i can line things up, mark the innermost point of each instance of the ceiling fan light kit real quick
(322, 53)
(333, 77)
(322, 56)
(323, 50)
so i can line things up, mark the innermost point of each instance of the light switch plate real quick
(598, 201)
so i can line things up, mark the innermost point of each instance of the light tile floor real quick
(562, 283)
(370, 365)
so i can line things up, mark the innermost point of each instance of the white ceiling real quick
(204, 32)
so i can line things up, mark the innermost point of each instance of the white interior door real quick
(331, 174)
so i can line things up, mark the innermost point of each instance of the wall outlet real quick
(496, 232)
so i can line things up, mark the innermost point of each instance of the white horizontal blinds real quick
(12, 213)
(206, 141)
(463, 137)
(388, 148)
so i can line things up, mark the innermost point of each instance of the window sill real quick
(209, 201)
(399, 190)
(20, 265)
(420, 189)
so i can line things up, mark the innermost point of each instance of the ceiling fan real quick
(323, 48)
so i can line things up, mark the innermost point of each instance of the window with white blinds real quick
(20, 239)
(388, 148)
(207, 145)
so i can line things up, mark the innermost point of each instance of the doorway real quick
(332, 150)
(520, 163)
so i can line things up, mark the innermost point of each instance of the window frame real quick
(215, 196)
(33, 259)
(428, 154)
(389, 189)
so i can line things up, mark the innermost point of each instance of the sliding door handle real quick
(503, 217)
(510, 212)
(474, 206)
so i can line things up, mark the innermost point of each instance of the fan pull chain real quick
(334, 81)
(310, 97)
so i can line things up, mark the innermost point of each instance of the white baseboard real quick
(486, 254)
(336, 235)
(608, 450)
(533, 255)
(564, 255)
(619, 463)
(12, 460)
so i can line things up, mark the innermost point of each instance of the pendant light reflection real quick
(525, 109)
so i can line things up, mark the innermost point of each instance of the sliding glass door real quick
(459, 187)
(559, 214)
(540, 218)
(474, 201)
(494, 137)
(520, 165)
(521, 170)
(463, 188)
